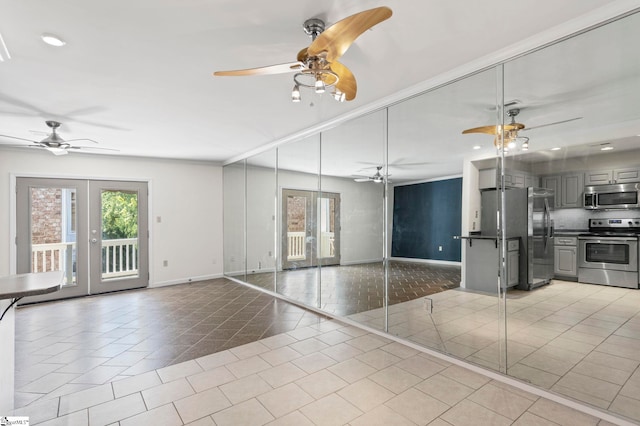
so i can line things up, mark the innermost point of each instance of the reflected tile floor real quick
(323, 374)
(76, 344)
(579, 340)
(349, 289)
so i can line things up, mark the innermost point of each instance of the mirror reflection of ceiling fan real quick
(511, 131)
(317, 66)
(54, 143)
(376, 178)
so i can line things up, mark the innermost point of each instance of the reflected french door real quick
(310, 228)
(95, 231)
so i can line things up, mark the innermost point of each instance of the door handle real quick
(94, 240)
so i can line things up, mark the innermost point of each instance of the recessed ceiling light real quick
(477, 147)
(53, 40)
(557, 148)
(606, 148)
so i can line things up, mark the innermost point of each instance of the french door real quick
(95, 231)
(310, 228)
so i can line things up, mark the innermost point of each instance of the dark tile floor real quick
(346, 290)
(76, 343)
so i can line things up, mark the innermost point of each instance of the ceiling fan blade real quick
(361, 180)
(494, 130)
(268, 70)
(336, 39)
(20, 139)
(93, 148)
(552, 124)
(489, 130)
(82, 139)
(347, 82)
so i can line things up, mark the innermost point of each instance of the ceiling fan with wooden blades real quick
(54, 143)
(317, 66)
(510, 131)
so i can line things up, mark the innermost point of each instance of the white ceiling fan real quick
(54, 143)
(376, 178)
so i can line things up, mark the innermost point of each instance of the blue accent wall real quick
(425, 216)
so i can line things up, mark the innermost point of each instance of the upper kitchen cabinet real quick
(490, 178)
(568, 189)
(606, 177)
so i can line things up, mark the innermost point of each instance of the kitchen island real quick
(482, 263)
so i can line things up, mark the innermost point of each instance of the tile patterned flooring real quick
(323, 374)
(578, 340)
(350, 289)
(74, 344)
(91, 361)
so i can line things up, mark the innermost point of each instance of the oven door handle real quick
(608, 240)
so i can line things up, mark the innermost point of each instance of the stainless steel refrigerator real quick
(529, 215)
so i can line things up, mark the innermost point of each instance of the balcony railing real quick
(119, 258)
(53, 257)
(296, 245)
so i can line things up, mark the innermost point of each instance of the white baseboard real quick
(433, 261)
(360, 262)
(260, 271)
(185, 280)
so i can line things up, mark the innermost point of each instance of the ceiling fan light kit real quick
(317, 66)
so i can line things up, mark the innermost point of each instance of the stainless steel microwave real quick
(604, 197)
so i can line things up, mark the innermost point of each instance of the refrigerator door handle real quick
(546, 225)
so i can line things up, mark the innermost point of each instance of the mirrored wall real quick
(456, 219)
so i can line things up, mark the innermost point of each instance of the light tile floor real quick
(67, 346)
(353, 378)
(579, 340)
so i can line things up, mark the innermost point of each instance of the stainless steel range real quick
(608, 253)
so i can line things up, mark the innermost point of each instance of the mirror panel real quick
(352, 275)
(428, 303)
(261, 219)
(298, 185)
(234, 199)
(578, 336)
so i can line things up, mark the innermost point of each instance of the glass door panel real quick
(51, 234)
(328, 237)
(298, 226)
(118, 235)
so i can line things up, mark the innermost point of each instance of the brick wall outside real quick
(46, 218)
(295, 214)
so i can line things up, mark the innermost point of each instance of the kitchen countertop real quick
(22, 285)
(568, 232)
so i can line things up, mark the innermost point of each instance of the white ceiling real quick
(136, 75)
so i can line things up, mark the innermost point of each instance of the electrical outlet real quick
(439, 248)
(427, 304)
(270, 254)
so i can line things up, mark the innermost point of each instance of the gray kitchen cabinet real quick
(554, 183)
(489, 179)
(565, 257)
(482, 260)
(606, 177)
(513, 259)
(572, 186)
(568, 189)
